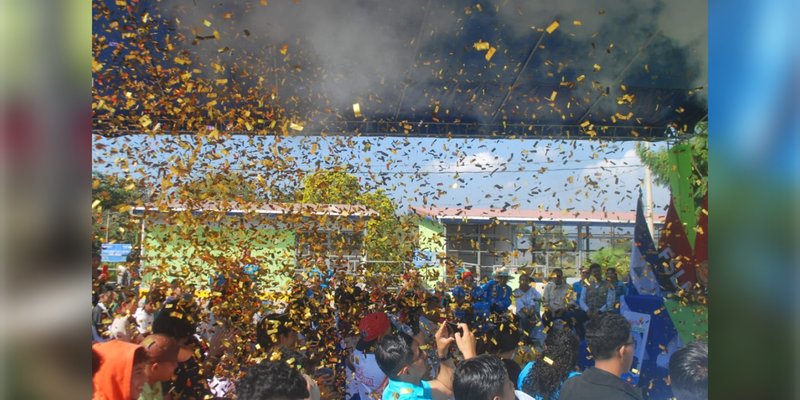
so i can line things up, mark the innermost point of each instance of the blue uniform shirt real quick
(396, 390)
(499, 296)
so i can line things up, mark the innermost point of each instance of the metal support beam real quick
(519, 74)
(618, 78)
(441, 130)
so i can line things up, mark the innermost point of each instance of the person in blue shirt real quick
(470, 299)
(400, 358)
(620, 289)
(498, 292)
(577, 287)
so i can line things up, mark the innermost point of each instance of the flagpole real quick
(649, 192)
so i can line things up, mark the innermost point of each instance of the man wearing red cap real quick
(366, 377)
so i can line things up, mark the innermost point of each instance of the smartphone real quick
(453, 328)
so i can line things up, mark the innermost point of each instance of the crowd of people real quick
(337, 336)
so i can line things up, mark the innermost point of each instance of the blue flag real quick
(644, 257)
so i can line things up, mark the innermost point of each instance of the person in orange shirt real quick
(121, 374)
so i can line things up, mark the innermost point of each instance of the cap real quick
(502, 272)
(373, 326)
(161, 348)
(465, 275)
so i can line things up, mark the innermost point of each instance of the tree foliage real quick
(389, 237)
(618, 257)
(113, 199)
(331, 187)
(658, 161)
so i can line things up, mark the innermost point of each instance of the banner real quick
(680, 182)
(117, 252)
(691, 321)
(701, 245)
(643, 256)
(640, 328)
(676, 251)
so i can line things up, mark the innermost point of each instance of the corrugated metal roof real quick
(478, 214)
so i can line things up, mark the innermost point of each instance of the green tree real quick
(330, 187)
(389, 237)
(113, 198)
(615, 257)
(658, 161)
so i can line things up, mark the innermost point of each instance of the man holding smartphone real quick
(401, 359)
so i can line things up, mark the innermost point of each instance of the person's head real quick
(177, 319)
(177, 287)
(272, 380)
(557, 276)
(121, 373)
(688, 372)
(276, 330)
(152, 301)
(501, 276)
(506, 339)
(106, 295)
(162, 352)
(373, 327)
(609, 339)
(400, 358)
(584, 273)
(482, 378)
(611, 275)
(524, 282)
(467, 278)
(596, 271)
(554, 363)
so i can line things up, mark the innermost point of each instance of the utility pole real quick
(108, 223)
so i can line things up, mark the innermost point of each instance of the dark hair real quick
(140, 356)
(176, 319)
(271, 380)
(479, 378)
(561, 347)
(506, 339)
(513, 370)
(606, 333)
(278, 324)
(393, 353)
(688, 372)
(594, 265)
(558, 270)
(154, 297)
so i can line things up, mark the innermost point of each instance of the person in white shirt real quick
(527, 300)
(144, 314)
(558, 303)
(364, 376)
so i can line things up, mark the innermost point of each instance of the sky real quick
(529, 174)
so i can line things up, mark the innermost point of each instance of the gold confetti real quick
(490, 53)
(480, 45)
(552, 27)
(357, 110)
(547, 360)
